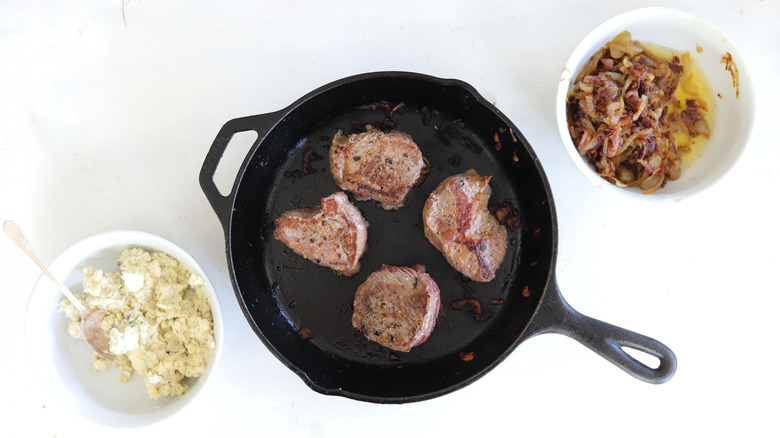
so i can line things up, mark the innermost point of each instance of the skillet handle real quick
(223, 205)
(605, 339)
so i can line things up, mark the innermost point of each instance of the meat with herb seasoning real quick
(383, 166)
(332, 234)
(397, 307)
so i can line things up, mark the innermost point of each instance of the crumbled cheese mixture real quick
(160, 325)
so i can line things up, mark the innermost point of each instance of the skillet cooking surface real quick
(282, 294)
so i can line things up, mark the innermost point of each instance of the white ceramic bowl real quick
(681, 32)
(63, 363)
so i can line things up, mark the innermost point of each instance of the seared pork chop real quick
(397, 307)
(332, 234)
(457, 222)
(376, 165)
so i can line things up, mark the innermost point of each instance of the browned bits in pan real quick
(506, 214)
(464, 282)
(526, 292)
(305, 333)
(373, 106)
(387, 106)
(466, 357)
(393, 357)
(308, 157)
(476, 308)
(472, 302)
(479, 317)
(396, 108)
(497, 301)
(306, 165)
(497, 141)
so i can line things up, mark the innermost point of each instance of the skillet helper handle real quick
(609, 341)
(223, 205)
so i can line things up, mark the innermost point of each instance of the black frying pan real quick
(302, 312)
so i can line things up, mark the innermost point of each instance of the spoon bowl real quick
(92, 330)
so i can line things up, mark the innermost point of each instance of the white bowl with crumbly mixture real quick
(671, 32)
(166, 329)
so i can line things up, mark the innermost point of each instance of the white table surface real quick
(105, 125)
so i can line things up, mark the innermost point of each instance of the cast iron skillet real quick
(302, 312)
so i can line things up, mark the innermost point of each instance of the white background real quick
(105, 126)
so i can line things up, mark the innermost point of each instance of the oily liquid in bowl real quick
(693, 85)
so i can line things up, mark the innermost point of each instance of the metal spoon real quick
(91, 319)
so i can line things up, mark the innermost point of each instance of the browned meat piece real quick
(397, 307)
(332, 234)
(457, 222)
(376, 165)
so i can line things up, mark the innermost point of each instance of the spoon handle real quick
(13, 231)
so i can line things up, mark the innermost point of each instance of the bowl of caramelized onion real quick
(655, 103)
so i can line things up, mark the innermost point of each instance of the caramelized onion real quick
(623, 115)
